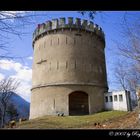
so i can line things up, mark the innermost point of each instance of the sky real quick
(21, 68)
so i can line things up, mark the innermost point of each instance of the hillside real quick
(20, 104)
(108, 119)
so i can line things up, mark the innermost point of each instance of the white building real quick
(118, 100)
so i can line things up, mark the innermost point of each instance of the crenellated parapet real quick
(57, 24)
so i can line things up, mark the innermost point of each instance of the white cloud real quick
(1, 76)
(30, 57)
(10, 15)
(24, 90)
(22, 73)
(9, 65)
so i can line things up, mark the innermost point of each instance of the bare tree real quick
(13, 23)
(90, 14)
(127, 76)
(134, 78)
(130, 45)
(7, 87)
(121, 75)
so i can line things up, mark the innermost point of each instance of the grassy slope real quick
(71, 121)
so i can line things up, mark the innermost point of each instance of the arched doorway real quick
(78, 103)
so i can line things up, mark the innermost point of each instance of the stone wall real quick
(67, 57)
(52, 99)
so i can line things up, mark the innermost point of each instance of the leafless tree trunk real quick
(7, 87)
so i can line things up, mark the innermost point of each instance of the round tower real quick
(69, 71)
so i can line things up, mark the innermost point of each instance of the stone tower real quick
(69, 71)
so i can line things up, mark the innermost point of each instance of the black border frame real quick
(66, 5)
(70, 5)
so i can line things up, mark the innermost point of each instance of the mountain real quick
(21, 105)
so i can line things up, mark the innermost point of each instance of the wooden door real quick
(78, 103)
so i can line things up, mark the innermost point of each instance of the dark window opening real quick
(120, 98)
(106, 99)
(115, 98)
(78, 34)
(110, 97)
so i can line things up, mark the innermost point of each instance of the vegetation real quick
(12, 111)
(71, 121)
(7, 87)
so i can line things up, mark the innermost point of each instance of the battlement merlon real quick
(71, 23)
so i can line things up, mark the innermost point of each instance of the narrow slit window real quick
(75, 64)
(74, 41)
(66, 64)
(44, 44)
(50, 65)
(51, 42)
(66, 40)
(57, 65)
(54, 104)
(58, 41)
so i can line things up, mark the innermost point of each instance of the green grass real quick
(71, 121)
